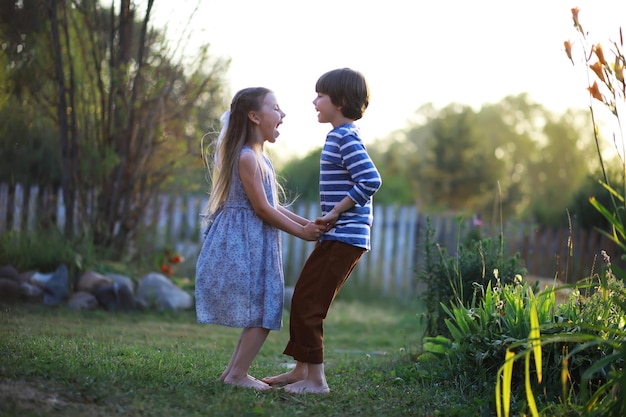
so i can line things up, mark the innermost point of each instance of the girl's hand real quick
(312, 231)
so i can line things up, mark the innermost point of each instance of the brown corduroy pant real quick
(323, 274)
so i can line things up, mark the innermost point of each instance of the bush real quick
(496, 320)
(453, 279)
(582, 344)
(44, 251)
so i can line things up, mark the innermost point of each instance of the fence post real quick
(60, 210)
(176, 215)
(4, 206)
(371, 267)
(389, 224)
(192, 218)
(18, 204)
(31, 216)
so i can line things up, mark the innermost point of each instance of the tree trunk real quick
(67, 175)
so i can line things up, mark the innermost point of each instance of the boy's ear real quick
(254, 118)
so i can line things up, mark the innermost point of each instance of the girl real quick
(239, 275)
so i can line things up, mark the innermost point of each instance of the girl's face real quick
(327, 112)
(268, 118)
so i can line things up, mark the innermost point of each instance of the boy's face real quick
(327, 112)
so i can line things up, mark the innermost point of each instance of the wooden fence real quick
(390, 267)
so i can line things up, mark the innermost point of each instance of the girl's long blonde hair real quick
(239, 129)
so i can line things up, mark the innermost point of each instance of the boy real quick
(348, 180)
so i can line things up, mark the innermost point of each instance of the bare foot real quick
(286, 378)
(307, 387)
(247, 382)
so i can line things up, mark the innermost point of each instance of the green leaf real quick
(507, 377)
(535, 339)
(600, 365)
(529, 391)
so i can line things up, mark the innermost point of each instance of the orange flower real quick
(598, 50)
(568, 50)
(577, 25)
(176, 259)
(595, 92)
(167, 269)
(597, 68)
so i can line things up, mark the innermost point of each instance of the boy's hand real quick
(327, 221)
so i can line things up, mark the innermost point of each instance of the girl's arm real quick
(293, 216)
(250, 176)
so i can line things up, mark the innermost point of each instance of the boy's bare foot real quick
(247, 382)
(307, 387)
(286, 378)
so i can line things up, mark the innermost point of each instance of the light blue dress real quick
(239, 273)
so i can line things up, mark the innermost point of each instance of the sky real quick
(411, 52)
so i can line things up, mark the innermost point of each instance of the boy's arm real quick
(363, 172)
(331, 217)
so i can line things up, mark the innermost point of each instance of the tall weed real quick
(592, 324)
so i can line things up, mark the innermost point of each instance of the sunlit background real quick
(411, 52)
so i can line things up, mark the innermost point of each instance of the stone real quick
(30, 292)
(91, 280)
(115, 297)
(155, 290)
(9, 291)
(82, 300)
(56, 288)
(9, 272)
(123, 280)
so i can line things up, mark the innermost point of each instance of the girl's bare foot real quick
(307, 387)
(247, 382)
(290, 377)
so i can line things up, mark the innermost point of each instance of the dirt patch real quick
(40, 398)
(548, 283)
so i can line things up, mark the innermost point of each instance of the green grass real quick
(59, 362)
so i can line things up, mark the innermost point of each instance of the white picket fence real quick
(389, 267)
(174, 220)
(398, 238)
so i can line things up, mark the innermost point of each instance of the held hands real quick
(327, 221)
(312, 231)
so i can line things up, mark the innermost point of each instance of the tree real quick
(562, 166)
(65, 104)
(28, 145)
(453, 166)
(127, 111)
(390, 157)
(503, 159)
(300, 177)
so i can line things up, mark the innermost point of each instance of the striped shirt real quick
(347, 169)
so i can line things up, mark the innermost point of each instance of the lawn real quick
(59, 362)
